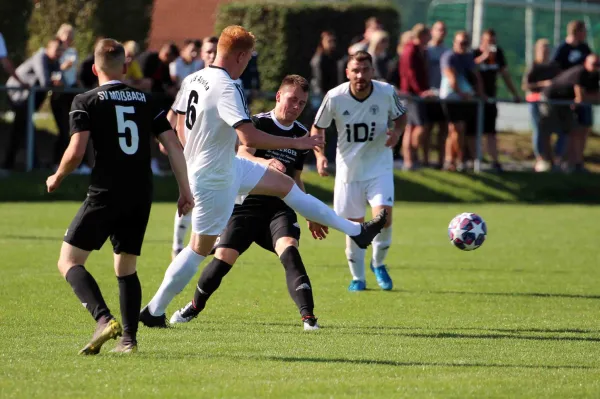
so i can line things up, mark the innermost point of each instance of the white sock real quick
(178, 275)
(313, 209)
(381, 245)
(356, 259)
(180, 229)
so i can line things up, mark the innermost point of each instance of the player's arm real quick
(252, 137)
(248, 153)
(323, 120)
(71, 159)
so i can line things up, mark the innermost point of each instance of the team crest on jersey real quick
(374, 109)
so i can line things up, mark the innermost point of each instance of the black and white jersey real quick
(292, 159)
(122, 122)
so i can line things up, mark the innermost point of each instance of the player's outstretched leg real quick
(381, 245)
(85, 287)
(130, 298)
(298, 283)
(180, 228)
(277, 184)
(209, 281)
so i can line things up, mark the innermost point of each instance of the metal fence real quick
(30, 128)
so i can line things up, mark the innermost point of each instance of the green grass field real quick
(517, 318)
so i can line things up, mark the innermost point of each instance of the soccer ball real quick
(467, 231)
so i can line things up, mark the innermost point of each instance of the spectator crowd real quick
(439, 80)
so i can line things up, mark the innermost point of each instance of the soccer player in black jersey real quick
(266, 220)
(121, 121)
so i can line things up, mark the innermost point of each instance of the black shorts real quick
(459, 112)
(102, 215)
(417, 113)
(242, 231)
(435, 112)
(490, 114)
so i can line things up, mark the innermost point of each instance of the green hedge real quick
(288, 33)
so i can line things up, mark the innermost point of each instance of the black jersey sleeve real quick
(79, 118)
(256, 122)
(160, 123)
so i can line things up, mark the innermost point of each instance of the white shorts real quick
(350, 199)
(213, 208)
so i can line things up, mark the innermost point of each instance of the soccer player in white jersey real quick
(370, 120)
(213, 115)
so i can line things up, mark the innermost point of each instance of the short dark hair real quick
(195, 42)
(575, 26)
(210, 39)
(109, 55)
(490, 32)
(295, 80)
(372, 22)
(171, 48)
(360, 56)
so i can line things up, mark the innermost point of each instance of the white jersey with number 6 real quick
(362, 127)
(213, 105)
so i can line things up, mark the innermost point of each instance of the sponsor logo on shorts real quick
(296, 225)
(390, 199)
(303, 286)
(66, 232)
(346, 113)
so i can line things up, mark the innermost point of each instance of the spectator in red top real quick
(414, 80)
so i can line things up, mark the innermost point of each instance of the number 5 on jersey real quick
(123, 125)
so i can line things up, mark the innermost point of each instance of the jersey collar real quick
(364, 99)
(222, 69)
(279, 125)
(112, 82)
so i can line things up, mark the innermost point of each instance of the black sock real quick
(209, 281)
(298, 282)
(130, 298)
(88, 292)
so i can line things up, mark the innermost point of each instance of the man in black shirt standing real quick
(121, 121)
(579, 84)
(266, 220)
(490, 61)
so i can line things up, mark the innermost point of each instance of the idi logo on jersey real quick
(360, 133)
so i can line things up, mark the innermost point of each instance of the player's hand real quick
(309, 142)
(53, 182)
(275, 164)
(317, 230)
(392, 138)
(322, 164)
(185, 203)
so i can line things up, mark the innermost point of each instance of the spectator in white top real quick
(187, 62)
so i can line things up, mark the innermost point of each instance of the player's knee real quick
(125, 264)
(227, 255)
(388, 221)
(284, 243)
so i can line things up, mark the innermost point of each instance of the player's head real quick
(591, 63)
(234, 50)
(403, 40)
(209, 50)
(54, 48)
(291, 98)
(109, 59)
(577, 31)
(438, 31)
(461, 42)
(328, 42)
(488, 37)
(379, 43)
(359, 71)
(542, 51)
(132, 49)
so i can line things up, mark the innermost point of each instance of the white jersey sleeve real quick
(179, 105)
(396, 109)
(232, 106)
(325, 114)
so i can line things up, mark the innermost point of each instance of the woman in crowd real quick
(134, 76)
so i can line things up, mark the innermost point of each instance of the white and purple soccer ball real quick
(467, 231)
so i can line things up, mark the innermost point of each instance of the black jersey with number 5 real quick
(122, 122)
